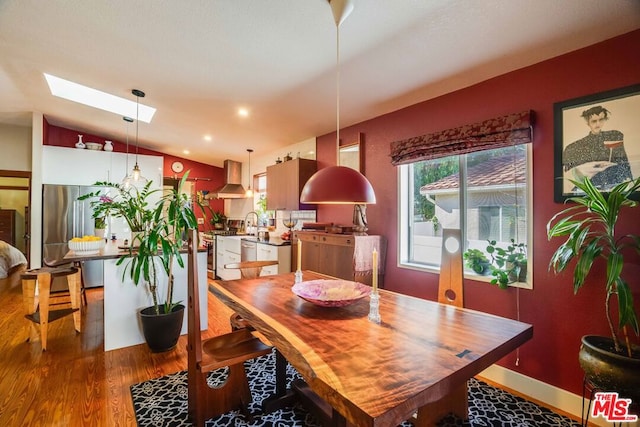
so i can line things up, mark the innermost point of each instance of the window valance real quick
(498, 132)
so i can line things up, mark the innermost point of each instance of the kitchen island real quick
(123, 299)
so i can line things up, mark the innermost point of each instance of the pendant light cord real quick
(126, 171)
(337, 86)
(137, 124)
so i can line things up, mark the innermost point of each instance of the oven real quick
(210, 243)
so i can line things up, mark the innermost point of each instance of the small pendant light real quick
(249, 192)
(136, 177)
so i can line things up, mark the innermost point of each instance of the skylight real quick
(94, 98)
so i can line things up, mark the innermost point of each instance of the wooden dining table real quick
(416, 361)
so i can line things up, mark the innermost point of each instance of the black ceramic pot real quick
(161, 331)
(610, 371)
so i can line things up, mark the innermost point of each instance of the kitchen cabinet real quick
(219, 255)
(345, 256)
(72, 166)
(227, 252)
(285, 182)
(280, 253)
(8, 226)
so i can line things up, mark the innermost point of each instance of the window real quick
(260, 198)
(485, 193)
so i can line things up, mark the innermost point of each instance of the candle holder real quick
(298, 276)
(374, 308)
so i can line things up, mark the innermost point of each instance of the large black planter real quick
(610, 371)
(161, 331)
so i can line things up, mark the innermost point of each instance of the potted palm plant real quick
(156, 256)
(159, 232)
(589, 227)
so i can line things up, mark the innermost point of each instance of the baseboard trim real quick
(547, 394)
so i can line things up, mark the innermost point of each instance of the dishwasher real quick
(248, 250)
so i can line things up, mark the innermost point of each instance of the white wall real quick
(37, 125)
(15, 143)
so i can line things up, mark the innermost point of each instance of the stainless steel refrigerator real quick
(65, 217)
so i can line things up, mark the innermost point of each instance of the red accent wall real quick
(560, 318)
(210, 178)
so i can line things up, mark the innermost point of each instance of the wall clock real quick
(177, 167)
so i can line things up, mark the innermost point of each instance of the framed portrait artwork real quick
(597, 136)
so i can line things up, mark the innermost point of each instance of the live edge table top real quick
(374, 374)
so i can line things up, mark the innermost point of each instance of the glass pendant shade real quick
(338, 185)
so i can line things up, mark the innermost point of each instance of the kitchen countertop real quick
(273, 241)
(110, 251)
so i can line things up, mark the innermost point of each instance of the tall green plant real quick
(590, 230)
(161, 244)
(126, 202)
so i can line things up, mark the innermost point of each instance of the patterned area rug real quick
(163, 402)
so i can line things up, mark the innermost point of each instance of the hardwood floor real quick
(74, 382)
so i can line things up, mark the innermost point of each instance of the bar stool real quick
(43, 313)
(57, 263)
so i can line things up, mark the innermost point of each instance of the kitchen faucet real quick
(246, 223)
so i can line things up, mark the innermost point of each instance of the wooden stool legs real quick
(41, 313)
(29, 303)
(75, 290)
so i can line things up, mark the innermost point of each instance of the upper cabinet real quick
(285, 182)
(72, 166)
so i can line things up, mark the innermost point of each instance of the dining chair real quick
(228, 350)
(248, 270)
(51, 306)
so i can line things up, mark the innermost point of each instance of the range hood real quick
(232, 188)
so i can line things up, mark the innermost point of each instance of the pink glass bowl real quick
(331, 293)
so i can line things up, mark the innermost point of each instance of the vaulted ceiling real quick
(200, 60)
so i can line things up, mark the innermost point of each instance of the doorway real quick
(15, 195)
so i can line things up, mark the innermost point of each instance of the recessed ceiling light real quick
(95, 98)
(185, 151)
(243, 112)
(207, 138)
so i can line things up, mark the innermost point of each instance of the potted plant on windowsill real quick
(589, 227)
(477, 261)
(510, 263)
